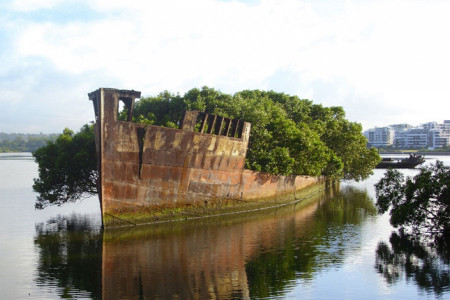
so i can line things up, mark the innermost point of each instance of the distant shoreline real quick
(417, 152)
(16, 152)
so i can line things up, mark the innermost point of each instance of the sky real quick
(384, 62)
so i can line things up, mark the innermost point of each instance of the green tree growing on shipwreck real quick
(67, 168)
(289, 135)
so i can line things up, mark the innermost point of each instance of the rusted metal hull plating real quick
(144, 165)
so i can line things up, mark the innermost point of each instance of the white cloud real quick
(176, 40)
(390, 56)
(32, 5)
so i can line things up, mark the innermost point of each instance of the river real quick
(332, 246)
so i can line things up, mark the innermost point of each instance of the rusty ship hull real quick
(152, 174)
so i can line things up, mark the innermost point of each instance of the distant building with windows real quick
(438, 138)
(380, 136)
(413, 138)
(431, 135)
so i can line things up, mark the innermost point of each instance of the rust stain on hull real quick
(152, 166)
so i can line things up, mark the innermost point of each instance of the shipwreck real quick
(151, 174)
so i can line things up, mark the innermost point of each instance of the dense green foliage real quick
(289, 135)
(67, 168)
(421, 203)
(15, 142)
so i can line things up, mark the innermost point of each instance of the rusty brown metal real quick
(215, 257)
(145, 165)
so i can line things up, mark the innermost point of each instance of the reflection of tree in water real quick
(426, 263)
(321, 242)
(308, 240)
(70, 256)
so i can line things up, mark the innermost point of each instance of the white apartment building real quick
(437, 138)
(430, 135)
(380, 136)
(414, 138)
(438, 134)
(434, 125)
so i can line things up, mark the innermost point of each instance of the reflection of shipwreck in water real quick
(200, 259)
(145, 169)
(203, 259)
(236, 257)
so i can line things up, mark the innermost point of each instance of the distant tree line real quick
(394, 149)
(23, 142)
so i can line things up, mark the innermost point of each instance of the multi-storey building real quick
(380, 136)
(414, 138)
(429, 135)
(438, 138)
(438, 134)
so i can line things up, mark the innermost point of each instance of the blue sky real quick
(385, 62)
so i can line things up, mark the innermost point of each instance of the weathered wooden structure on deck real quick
(146, 166)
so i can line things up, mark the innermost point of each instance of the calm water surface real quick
(332, 246)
